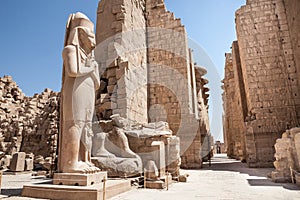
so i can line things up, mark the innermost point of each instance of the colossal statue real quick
(79, 82)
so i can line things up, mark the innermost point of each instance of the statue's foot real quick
(82, 168)
(93, 167)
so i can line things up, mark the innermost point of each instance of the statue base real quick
(65, 192)
(79, 179)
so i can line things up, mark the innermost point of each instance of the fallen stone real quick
(119, 167)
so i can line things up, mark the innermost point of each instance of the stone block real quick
(155, 184)
(159, 156)
(159, 184)
(28, 165)
(18, 162)
(297, 177)
(182, 178)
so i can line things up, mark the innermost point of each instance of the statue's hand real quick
(91, 62)
(94, 64)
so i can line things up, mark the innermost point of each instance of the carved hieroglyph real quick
(80, 80)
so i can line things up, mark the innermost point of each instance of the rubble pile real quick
(27, 124)
(287, 156)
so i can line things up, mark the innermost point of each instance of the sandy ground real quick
(226, 179)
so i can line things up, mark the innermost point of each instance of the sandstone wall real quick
(271, 87)
(121, 52)
(269, 73)
(168, 59)
(172, 81)
(235, 105)
(148, 71)
(292, 10)
(241, 108)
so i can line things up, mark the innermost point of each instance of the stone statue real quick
(111, 150)
(79, 82)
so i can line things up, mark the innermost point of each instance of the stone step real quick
(58, 192)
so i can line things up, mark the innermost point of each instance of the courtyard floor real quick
(225, 179)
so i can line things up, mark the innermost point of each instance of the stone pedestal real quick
(59, 192)
(159, 157)
(79, 179)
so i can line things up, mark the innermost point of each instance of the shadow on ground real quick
(258, 176)
(12, 192)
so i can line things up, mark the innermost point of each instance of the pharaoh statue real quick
(80, 79)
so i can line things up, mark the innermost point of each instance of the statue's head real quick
(80, 31)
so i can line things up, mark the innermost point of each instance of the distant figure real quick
(79, 82)
(218, 149)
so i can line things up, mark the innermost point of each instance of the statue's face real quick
(87, 38)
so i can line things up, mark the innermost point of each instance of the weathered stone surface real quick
(137, 67)
(261, 84)
(287, 156)
(29, 164)
(119, 167)
(123, 50)
(234, 115)
(18, 162)
(127, 147)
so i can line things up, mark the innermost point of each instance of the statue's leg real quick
(70, 153)
(85, 149)
(99, 149)
(125, 151)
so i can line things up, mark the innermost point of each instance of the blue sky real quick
(32, 34)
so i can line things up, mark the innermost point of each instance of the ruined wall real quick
(235, 105)
(171, 77)
(168, 59)
(121, 52)
(27, 124)
(268, 67)
(148, 70)
(241, 108)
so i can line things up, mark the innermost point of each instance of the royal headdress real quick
(77, 20)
